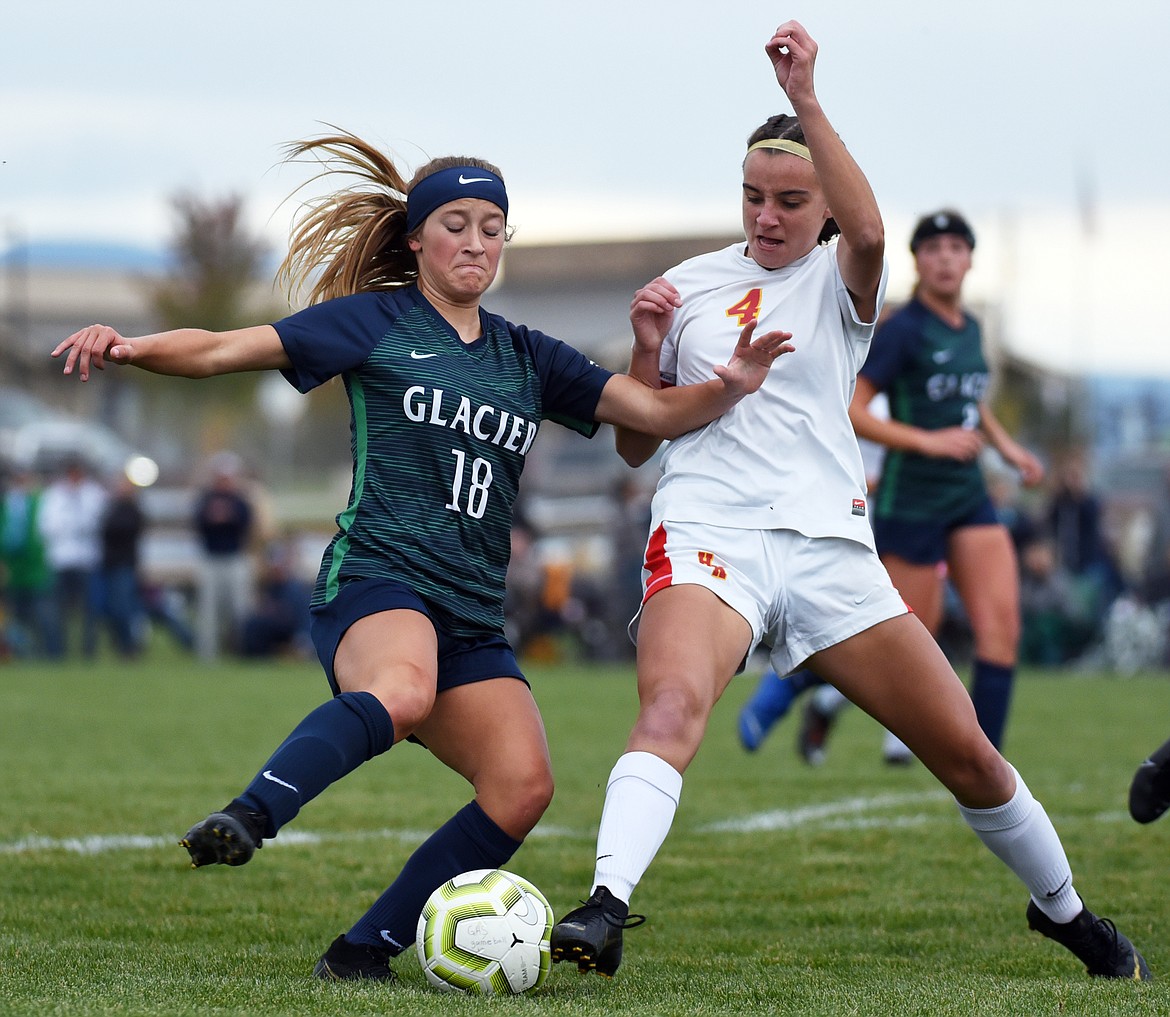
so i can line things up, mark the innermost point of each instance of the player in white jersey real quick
(760, 534)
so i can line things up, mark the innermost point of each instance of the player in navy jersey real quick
(760, 535)
(407, 613)
(932, 506)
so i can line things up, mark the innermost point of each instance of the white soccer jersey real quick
(786, 456)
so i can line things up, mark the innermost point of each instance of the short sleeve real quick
(570, 383)
(327, 339)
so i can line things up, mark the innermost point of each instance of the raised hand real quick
(752, 359)
(651, 312)
(793, 53)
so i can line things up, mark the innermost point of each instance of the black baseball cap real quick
(939, 223)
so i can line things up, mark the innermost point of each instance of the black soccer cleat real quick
(225, 838)
(591, 935)
(1105, 952)
(348, 962)
(813, 734)
(1149, 792)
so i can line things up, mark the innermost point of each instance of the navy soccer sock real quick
(468, 840)
(334, 739)
(991, 692)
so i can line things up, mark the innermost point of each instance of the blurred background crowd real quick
(94, 564)
(210, 505)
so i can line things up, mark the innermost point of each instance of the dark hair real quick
(786, 126)
(354, 239)
(944, 222)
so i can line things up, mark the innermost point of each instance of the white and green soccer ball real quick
(486, 933)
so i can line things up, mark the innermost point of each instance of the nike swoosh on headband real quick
(474, 180)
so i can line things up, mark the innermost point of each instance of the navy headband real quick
(451, 185)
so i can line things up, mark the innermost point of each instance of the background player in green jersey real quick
(932, 505)
(445, 401)
(931, 508)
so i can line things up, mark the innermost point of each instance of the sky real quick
(1043, 122)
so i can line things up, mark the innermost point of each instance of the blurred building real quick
(579, 292)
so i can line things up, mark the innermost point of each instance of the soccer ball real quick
(485, 932)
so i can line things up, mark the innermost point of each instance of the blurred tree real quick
(217, 266)
(219, 280)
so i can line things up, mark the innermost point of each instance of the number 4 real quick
(747, 309)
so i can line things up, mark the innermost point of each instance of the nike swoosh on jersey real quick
(942, 356)
(415, 355)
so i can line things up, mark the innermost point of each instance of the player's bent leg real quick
(491, 733)
(376, 684)
(690, 644)
(911, 689)
(896, 672)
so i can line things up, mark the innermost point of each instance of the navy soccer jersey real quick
(934, 376)
(439, 432)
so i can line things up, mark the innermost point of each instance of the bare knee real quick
(517, 800)
(406, 692)
(977, 775)
(673, 716)
(995, 627)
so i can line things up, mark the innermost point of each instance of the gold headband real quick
(783, 145)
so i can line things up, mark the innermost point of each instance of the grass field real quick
(850, 889)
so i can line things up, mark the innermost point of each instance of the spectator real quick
(71, 514)
(223, 526)
(1057, 618)
(1074, 523)
(27, 577)
(122, 528)
(278, 624)
(524, 614)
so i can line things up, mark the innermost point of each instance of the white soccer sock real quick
(1021, 835)
(640, 799)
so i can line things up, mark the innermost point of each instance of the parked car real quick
(34, 434)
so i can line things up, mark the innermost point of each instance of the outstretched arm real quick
(184, 352)
(669, 412)
(847, 192)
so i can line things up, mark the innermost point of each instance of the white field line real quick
(99, 844)
(878, 812)
(847, 813)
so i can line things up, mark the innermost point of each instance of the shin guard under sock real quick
(468, 840)
(334, 739)
(1021, 835)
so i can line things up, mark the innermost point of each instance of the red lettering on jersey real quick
(747, 309)
(707, 560)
